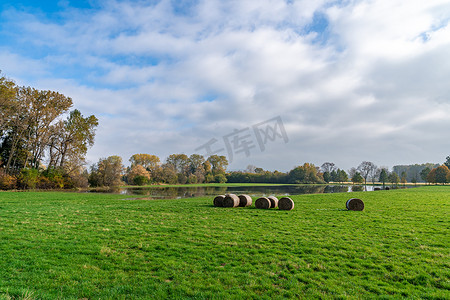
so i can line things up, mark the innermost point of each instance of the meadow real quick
(56, 245)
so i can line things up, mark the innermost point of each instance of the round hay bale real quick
(355, 204)
(387, 188)
(218, 201)
(245, 200)
(286, 203)
(377, 189)
(231, 200)
(263, 203)
(273, 201)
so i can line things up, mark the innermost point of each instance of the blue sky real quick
(349, 80)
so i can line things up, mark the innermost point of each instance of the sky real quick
(269, 83)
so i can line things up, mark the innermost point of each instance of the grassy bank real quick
(73, 246)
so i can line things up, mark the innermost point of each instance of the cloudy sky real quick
(272, 83)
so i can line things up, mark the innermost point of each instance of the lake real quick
(161, 192)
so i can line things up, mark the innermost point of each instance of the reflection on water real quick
(161, 192)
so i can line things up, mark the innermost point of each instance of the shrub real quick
(7, 182)
(220, 178)
(192, 179)
(28, 178)
(140, 180)
(52, 179)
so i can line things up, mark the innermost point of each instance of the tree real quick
(357, 178)
(424, 174)
(365, 169)
(304, 174)
(220, 178)
(70, 141)
(403, 178)
(326, 177)
(393, 178)
(383, 176)
(342, 176)
(328, 167)
(107, 172)
(196, 163)
(180, 162)
(168, 174)
(259, 170)
(7, 103)
(352, 172)
(439, 174)
(413, 171)
(42, 108)
(375, 174)
(138, 171)
(218, 164)
(148, 161)
(447, 162)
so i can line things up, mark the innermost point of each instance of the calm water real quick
(159, 192)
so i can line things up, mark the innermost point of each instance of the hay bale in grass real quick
(387, 188)
(231, 200)
(355, 204)
(273, 201)
(218, 201)
(377, 189)
(286, 203)
(245, 200)
(263, 203)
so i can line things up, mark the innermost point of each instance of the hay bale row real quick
(355, 204)
(231, 200)
(285, 203)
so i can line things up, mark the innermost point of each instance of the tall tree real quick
(447, 162)
(180, 162)
(7, 103)
(107, 172)
(138, 175)
(70, 141)
(148, 161)
(383, 176)
(342, 176)
(328, 167)
(357, 178)
(218, 164)
(439, 174)
(44, 107)
(393, 178)
(365, 169)
(304, 174)
(424, 174)
(403, 178)
(195, 163)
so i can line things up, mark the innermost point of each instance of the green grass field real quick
(99, 246)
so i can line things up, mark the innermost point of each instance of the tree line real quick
(182, 169)
(43, 141)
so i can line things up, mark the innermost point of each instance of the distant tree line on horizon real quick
(182, 169)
